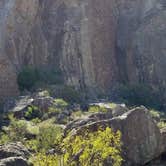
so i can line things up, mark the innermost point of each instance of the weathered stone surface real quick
(14, 161)
(13, 150)
(142, 139)
(95, 43)
(14, 154)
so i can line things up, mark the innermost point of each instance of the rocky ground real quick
(144, 140)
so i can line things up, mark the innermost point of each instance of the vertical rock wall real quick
(95, 43)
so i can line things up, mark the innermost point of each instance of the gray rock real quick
(141, 138)
(13, 150)
(14, 161)
(14, 154)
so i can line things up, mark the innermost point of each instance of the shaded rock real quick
(100, 116)
(14, 161)
(163, 140)
(20, 106)
(13, 150)
(43, 103)
(118, 109)
(77, 123)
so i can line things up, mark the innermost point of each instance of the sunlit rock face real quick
(95, 43)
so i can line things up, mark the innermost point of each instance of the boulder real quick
(14, 154)
(43, 103)
(141, 138)
(14, 161)
(20, 106)
(111, 112)
(13, 150)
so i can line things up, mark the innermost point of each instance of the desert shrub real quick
(16, 130)
(68, 93)
(60, 103)
(27, 78)
(36, 121)
(32, 113)
(93, 148)
(138, 94)
(50, 75)
(155, 114)
(112, 105)
(31, 77)
(4, 138)
(77, 114)
(54, 110)
(96, 109)
(161, 124)
(48, 137)
(41, 159)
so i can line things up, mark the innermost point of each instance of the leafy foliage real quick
(32, 113)
(60, 103)
(41, 159)
(48, 137)
(29, 77)
(95, 109)
(68, 93)
(93, 148)
(138, 94)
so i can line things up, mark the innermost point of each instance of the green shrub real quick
(155, 114)
(50, 75)
(96, 109)
(69, 94)
(31, 77)
(93, 148)
(27, 78)
(41, 159)
(48, 137)
(161, 124)
(4, 138)
(60, 103)
(77, 114)
(17, 129)
(138, 94)
(32, 113)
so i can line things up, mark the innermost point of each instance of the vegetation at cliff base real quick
(31, 77)
(138, 94)
(42, 133)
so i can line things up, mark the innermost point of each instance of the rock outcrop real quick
(95, 43)
(14, 161)
(142, 139)
(14, 154)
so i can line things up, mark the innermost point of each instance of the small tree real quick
(93, 148)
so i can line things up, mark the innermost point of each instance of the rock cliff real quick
(95, 43)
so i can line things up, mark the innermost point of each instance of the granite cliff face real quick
(95, 43)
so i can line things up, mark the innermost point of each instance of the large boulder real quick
(141, 138)
(13, 150)
(14, 154)
(14, 161)
(20, 105)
